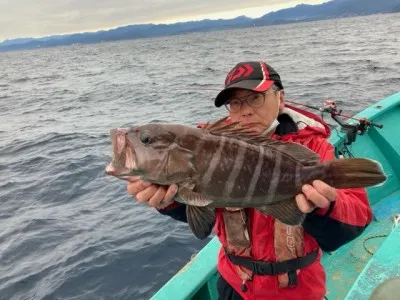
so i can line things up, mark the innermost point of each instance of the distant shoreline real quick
(133, 32)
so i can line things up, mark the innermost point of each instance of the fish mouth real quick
(127, 170)
(123, 163)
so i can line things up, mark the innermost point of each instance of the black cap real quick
(252, 75)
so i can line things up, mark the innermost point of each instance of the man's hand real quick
(152, 194)
(317, 195)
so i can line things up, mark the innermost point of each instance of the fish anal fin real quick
(287, 212)
(201, 220)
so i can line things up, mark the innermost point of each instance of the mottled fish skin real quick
(240, 174)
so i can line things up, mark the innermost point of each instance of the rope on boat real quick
(372, 237)
(396, 221)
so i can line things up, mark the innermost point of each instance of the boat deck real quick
(385, 264)
(344, 266)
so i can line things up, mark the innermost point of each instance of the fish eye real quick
(145, 138)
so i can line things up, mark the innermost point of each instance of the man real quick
(278, 261)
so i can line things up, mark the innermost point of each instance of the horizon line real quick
(167, 22)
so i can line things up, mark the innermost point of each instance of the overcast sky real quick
(34, 18)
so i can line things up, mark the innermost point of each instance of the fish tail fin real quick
(353, 173)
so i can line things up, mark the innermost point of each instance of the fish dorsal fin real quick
(231, 129)
(217, 126)
(294, 151)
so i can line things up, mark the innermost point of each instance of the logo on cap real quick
(239, 71)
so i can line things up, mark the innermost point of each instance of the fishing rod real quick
(351, 130)
(331, 107)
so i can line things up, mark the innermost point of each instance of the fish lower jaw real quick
(111, 170)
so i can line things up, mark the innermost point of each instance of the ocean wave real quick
(68, 108)
(91, 74)
(26, 79)
(33, 111)
(48, 140)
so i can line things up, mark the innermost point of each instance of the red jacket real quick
(327, 229)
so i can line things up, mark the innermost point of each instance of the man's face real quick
(253, 109)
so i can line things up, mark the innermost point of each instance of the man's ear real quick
(281, 100)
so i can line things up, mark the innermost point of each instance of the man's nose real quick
(246, 109)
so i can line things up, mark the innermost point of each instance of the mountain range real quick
(300, 13)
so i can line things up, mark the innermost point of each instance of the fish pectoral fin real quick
(201, 220)
(287, 212)
(193, 198)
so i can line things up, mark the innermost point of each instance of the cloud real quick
(23, 18)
